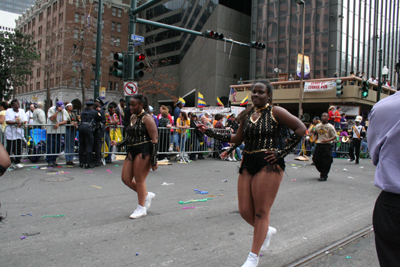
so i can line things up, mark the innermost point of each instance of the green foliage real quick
(18, 53)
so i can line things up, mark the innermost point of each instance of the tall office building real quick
(340, 36)
(16, 6)
(200, 64)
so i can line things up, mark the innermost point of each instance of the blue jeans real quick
(107, 141)
(70, 142)
(238, 151)
(53, 144)
(177, 140)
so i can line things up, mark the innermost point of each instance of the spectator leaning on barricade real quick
(112, 123)
(183, 123)
(16, 119)
(197, 138)
(343, 121)
(163, 134)
(70, 133)
(39, 117)
(29, 113)
(177, 111)
(57, 116)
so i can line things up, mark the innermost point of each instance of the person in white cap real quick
(357, 134)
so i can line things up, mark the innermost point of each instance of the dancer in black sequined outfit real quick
(141, 142)
(262, 166)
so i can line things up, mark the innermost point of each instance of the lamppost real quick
(378, 95)
(385, 72)
(302, 3)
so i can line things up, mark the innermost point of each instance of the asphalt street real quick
(96, 230)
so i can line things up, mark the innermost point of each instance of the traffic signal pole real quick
(98, 50)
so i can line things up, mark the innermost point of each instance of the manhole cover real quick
(57, 179)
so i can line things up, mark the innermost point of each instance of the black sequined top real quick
(136, 133)
(261, 134)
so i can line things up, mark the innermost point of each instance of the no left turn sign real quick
(130, 88)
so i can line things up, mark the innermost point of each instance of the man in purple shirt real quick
(384, 145)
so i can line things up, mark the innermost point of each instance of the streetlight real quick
(385, 72)
(302, 3)
(378, 95)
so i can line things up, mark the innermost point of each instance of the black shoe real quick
(81, 165)
(201, 157)
(322, 179)
(351, 160)
(51, 164)
(312, 163)
(70, 163)
(97, 164)
(357, 162)
(55, 164)
(88, 166)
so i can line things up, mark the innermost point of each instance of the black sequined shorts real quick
(254, 162)
(144, 149)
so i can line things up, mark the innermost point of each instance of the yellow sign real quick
(102, 92)
(34, 98)
(306, 65)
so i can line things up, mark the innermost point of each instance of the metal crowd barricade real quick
(33, 141)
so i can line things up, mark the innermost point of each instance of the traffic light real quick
(119, 67)
(257, 45)
(139, 65)
(364, 89)
(339, 88)
(214, 35)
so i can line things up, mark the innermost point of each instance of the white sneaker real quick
(271, 232)
(149, 198)
(229, 158)
(171, 148)
(19, 166)
(252, 260)
(234, 159)
(139, 212)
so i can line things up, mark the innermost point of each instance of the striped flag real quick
(201, 97)
(245, 101)
(201, 104)
(219, 102)
(232, 95)
(182, 100)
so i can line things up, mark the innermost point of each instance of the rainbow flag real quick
(245, 101)
(183, 101)
(219, 102)
(201, 103)
(201, 97)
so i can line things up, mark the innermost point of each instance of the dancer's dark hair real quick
(142, 99)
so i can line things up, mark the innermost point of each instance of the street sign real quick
(130, 88)
(102, 92)
(136, 43)
(137, 38)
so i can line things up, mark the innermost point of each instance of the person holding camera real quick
(89, 120)
(57, 117)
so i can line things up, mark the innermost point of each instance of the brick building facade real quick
(65, 32)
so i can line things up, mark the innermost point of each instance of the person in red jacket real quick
(331, 115)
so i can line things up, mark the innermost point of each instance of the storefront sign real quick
(319, 86)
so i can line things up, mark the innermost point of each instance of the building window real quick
(114, 11)
(37, 86)
(49, 11)
(112, 40)
(31, 87)
(33, 22)
(116, 86)
(76, 33)
(110, 86)
(54, 7)
(119, 13)
(48, 25)
(40, 29)
(61, 3)
(61, 17)
(118, 27)
(113, 26)
(74, 47)
(25, 28)
(92, 83)
(76, 17)
(38, 72)
(39, 44)
(93, 52)
(33, 34)
(40, 16)
(118, 41)
(29, 25)
(111, 55)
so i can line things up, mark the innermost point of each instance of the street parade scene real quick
(137, 136)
